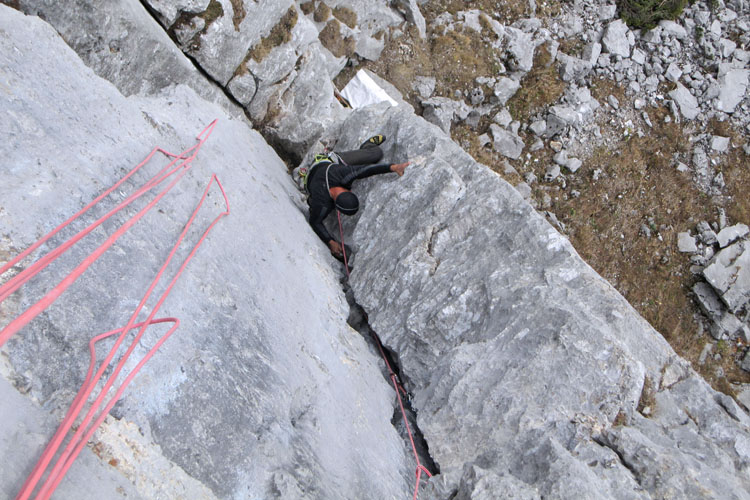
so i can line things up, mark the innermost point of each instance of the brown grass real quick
(238, 7)
(213, 12)
(308, 7)
(638, 182)
(540, 87)
(322, 13)
(346, 16)
(505, 11)
(331, 39)
(279, 35)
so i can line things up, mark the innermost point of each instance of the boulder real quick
(729, 273)
(615, 38)
(686, 243)
(410, 8)
(573, 69)
(504, 89)
(519, 49)
(443, 112)
(731, 234)
(506, 143)
(733, 87)
(673, 29)
(724, 325)
(686, 101)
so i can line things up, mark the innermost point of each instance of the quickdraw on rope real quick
(86, 428)
(394, 379)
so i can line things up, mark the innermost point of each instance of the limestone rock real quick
(504, 89)
(443, 112)
(729, 273)
(519, 50)
(244, 372)
(411, 9)
(733, 89)
(686, 243)
(506, 143)
(724, 325)
(615, 38)
(520, 390)
(686, 101)
(112, 38)
(732, 233)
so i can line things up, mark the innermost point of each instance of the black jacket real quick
(321, 203)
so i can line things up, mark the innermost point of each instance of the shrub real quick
(645, 14)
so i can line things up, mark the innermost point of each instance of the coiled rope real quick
(94, 417)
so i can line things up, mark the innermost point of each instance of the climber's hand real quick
(399, 168)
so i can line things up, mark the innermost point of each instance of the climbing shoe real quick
(377, 140)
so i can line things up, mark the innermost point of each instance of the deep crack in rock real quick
(359, 321)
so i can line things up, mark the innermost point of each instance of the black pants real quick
(367, 154)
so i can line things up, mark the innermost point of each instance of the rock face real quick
(264, 391)
(530, 373)
(531, 376)
(270, 55)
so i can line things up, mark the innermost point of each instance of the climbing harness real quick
(394, 379)
(86, 427)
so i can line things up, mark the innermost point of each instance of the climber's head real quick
(346, 202)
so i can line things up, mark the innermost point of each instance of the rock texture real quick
(531, 376)
(264, 391)
(530, 373)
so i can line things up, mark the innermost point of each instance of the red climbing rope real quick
(394, 378)
(17, 281)
(86, 428)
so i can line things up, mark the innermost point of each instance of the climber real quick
(329, 181)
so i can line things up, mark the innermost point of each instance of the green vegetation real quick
(645, 14)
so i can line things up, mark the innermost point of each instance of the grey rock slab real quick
(517, 354)
(505, 88)
(123, 43)
(519, 49)
(252, 365)
(506, 143)
(729, 274)
(410, 8)
(686, 243)
(724, 325)
(720, 144)
(733, 87)
(732, 233)
(170, 10)
(615, 39)
(673, 29)
(686, 101)
(443, 112)
(28, 427)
